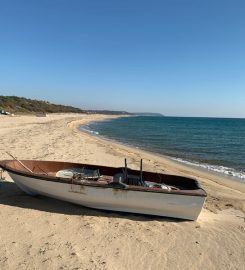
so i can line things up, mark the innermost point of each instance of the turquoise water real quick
(216, 144)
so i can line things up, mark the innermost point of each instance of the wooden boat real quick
(109, 188)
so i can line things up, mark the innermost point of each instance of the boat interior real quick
(95, 175)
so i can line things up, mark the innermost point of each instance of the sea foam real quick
(215, 168)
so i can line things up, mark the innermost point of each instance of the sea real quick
(214, 144)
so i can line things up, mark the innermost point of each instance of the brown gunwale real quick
(198, 192)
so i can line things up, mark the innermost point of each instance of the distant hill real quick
(149, 114)
(19, 105)
(15, 104)
(109, 112)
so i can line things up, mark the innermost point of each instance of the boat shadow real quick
(11, 195)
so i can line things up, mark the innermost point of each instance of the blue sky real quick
(176, 57)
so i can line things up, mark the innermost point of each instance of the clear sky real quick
(177, 57)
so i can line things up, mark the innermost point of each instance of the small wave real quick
(89, 131)
(219, 169)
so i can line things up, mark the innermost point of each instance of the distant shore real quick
(32, 228)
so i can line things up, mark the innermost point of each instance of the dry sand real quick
(43, 233)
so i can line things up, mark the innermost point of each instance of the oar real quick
(29, 170)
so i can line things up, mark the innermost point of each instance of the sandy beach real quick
(43, 233)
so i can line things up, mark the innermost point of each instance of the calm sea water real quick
(216, 144)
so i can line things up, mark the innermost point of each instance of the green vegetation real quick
(21, 105)
(15, 104)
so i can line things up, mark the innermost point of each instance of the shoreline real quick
(215, 170)
(33, 227)
(156, 162)
(221, 178)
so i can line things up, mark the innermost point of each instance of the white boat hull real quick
(150, 203)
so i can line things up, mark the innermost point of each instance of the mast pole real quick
(126, 170)
(141, 172)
